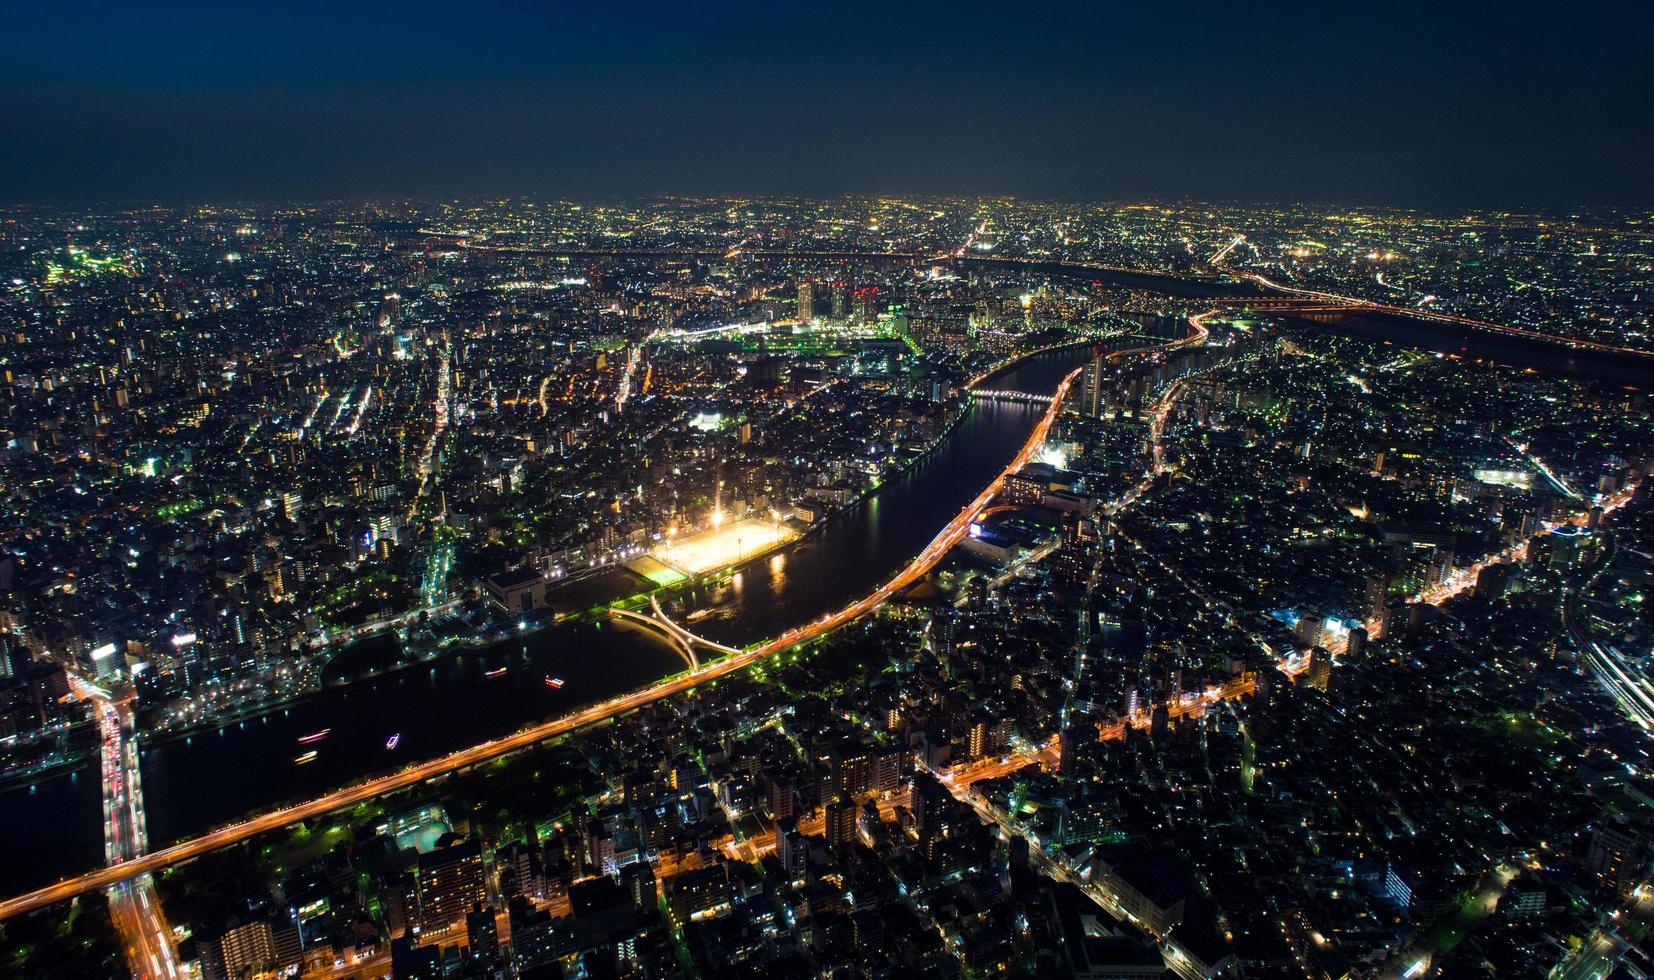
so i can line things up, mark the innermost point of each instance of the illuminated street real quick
(689, 492)
(413, 775)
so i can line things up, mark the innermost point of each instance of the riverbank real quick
(417, 639)
(451, 705)
(238, 780)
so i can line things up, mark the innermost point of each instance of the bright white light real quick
(721, 546)
(1052, 454)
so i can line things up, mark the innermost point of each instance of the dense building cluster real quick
(1583, 274)
(233, 438)
(1285, 653)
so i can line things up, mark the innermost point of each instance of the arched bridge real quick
(681, 639)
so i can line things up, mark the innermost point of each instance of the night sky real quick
(1433, 105)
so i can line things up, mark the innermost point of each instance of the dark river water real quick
(864, 545)
(192, 783)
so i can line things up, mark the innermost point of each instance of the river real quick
(193, 783)
(865, 544)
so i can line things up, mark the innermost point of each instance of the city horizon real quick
(1192, 524)
(1632, 210)
(1412, 103)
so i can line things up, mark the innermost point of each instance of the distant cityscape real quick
(862, 587)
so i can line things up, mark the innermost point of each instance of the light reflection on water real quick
(778, 573)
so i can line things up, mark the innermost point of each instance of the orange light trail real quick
(415, 774)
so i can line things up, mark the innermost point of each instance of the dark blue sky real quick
(1490, 104)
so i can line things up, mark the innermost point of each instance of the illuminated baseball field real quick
(722, 546)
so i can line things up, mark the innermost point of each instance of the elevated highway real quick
(734, 661)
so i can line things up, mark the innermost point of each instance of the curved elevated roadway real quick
(736, 660)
